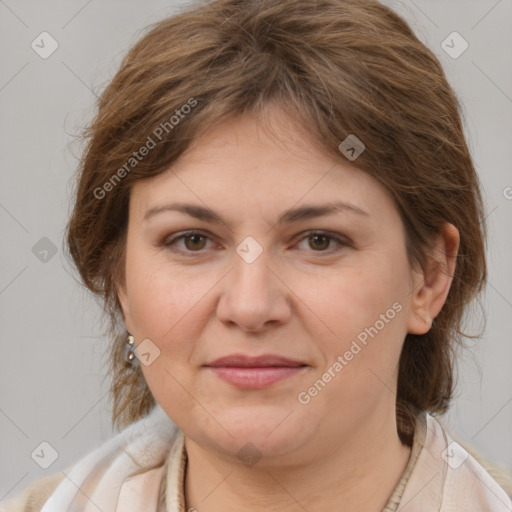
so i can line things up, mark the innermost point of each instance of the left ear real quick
(431, 285)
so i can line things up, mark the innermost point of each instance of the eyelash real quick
(168, 243)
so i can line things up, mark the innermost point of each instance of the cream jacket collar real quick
(127, 474)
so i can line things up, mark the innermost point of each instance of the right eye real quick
(194, 242)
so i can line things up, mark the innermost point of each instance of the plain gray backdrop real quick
(52, 380)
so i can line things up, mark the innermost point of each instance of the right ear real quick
(124, 300)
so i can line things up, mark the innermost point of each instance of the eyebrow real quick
(289, 216)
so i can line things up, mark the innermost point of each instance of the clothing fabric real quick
(143, 469)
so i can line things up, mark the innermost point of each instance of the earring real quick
(129, 351)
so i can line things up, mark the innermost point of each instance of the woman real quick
(278, 206)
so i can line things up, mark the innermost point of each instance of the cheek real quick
(365, 310)
(161, 297)
(355, 298)
(167, 308)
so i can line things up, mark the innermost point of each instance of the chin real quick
(255, 434)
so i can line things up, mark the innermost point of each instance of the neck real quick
(360, 474)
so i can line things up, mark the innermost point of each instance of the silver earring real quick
(129, 351)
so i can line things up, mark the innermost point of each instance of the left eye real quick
(321, 240)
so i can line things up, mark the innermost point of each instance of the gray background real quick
(52, 380)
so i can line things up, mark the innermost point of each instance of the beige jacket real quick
(136, 471)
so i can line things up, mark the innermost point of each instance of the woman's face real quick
(330, 291)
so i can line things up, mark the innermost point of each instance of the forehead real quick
(250, 165)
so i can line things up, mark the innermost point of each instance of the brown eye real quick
(187, 243)
(319, 242)
(194, 242)
(323, 242)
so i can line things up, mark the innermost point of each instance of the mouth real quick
(247, 372)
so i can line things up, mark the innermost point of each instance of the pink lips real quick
(255, 372)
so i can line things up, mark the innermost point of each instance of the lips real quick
(264, 361)
(246, 372)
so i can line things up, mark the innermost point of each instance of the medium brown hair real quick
(340, 67)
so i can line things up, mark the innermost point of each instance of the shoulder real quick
(34, 496)
(481, 465)
(501, 474)
(468, 479)
(139, 447)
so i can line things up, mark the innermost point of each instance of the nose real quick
(254, 296)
